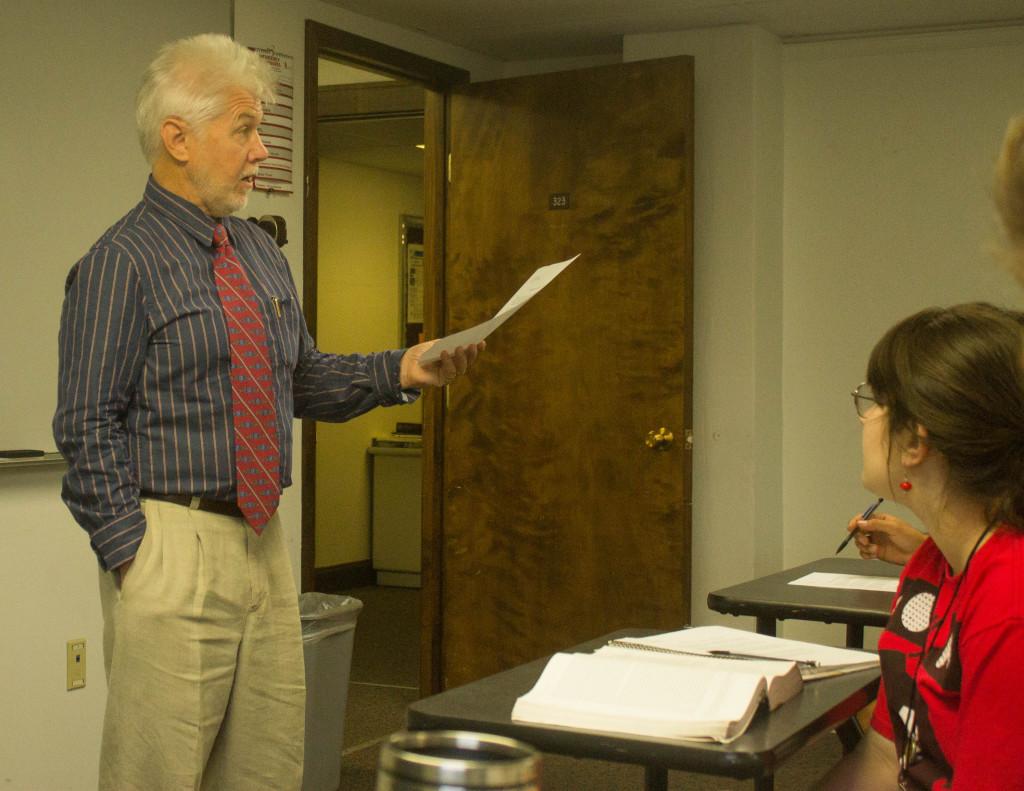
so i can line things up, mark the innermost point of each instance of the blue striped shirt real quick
(144, 390)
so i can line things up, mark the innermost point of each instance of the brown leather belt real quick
(198, 503)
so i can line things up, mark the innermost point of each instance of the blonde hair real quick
(190, 79)
(1009, 194)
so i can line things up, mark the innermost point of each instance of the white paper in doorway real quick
(533, 285)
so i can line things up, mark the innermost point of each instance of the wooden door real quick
(557, 522)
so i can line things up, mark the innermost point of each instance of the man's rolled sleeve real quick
(117, 543)
(335, 387)
(103, 336)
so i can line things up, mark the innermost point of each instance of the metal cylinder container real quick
(456, 761)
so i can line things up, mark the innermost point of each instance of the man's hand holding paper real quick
(440, 372)
(475, 335)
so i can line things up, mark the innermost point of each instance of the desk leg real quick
(766, 625)
(849, 734)
(655, 778)
(765, 783)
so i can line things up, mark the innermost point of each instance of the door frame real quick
(436, 78)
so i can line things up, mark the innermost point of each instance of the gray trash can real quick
(328, 630)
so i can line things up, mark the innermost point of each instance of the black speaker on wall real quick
(275, 225)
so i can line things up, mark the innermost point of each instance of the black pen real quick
(870, 510)
(734, 655)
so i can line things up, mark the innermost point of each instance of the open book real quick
(672, 685)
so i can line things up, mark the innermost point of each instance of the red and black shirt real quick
(952, 657)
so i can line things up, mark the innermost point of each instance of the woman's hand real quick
(885, 537)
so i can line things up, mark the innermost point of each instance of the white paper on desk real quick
(821, 579)
(537, 281)
(707, 638)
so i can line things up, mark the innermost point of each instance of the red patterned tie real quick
(252, 388)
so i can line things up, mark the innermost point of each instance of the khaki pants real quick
(203, 652)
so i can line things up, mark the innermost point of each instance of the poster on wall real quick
(277, 128)
(414, 284)
(413, 279)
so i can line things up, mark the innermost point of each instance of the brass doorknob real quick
(660, 439)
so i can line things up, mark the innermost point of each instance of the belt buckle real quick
(194, 503)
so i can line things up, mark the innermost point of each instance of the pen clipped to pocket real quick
(282, 306)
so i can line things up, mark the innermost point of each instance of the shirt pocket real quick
(284, 329)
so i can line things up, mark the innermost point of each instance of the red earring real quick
(906, 486)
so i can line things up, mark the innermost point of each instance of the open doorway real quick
(367, 531)
(370, 236)
(369, 297)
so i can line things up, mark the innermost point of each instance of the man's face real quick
(225, 156)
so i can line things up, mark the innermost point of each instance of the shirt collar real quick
(181, 212)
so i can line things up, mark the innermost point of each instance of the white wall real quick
(889, 149)
(881, 151)
(72, 167)
(358, 289)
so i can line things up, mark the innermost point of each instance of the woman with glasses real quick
(887, 537)
(943, 434)
(881, 535)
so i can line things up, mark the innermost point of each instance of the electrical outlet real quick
(76, 664)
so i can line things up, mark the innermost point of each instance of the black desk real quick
(771, 598)
(486, 706)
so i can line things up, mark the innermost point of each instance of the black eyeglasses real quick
(863, 399)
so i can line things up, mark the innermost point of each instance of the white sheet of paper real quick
(706, 638)
(537, 281)
(821, 579)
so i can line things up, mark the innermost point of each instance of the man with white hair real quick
(184, 357)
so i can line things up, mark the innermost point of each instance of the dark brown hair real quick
(959, 373)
